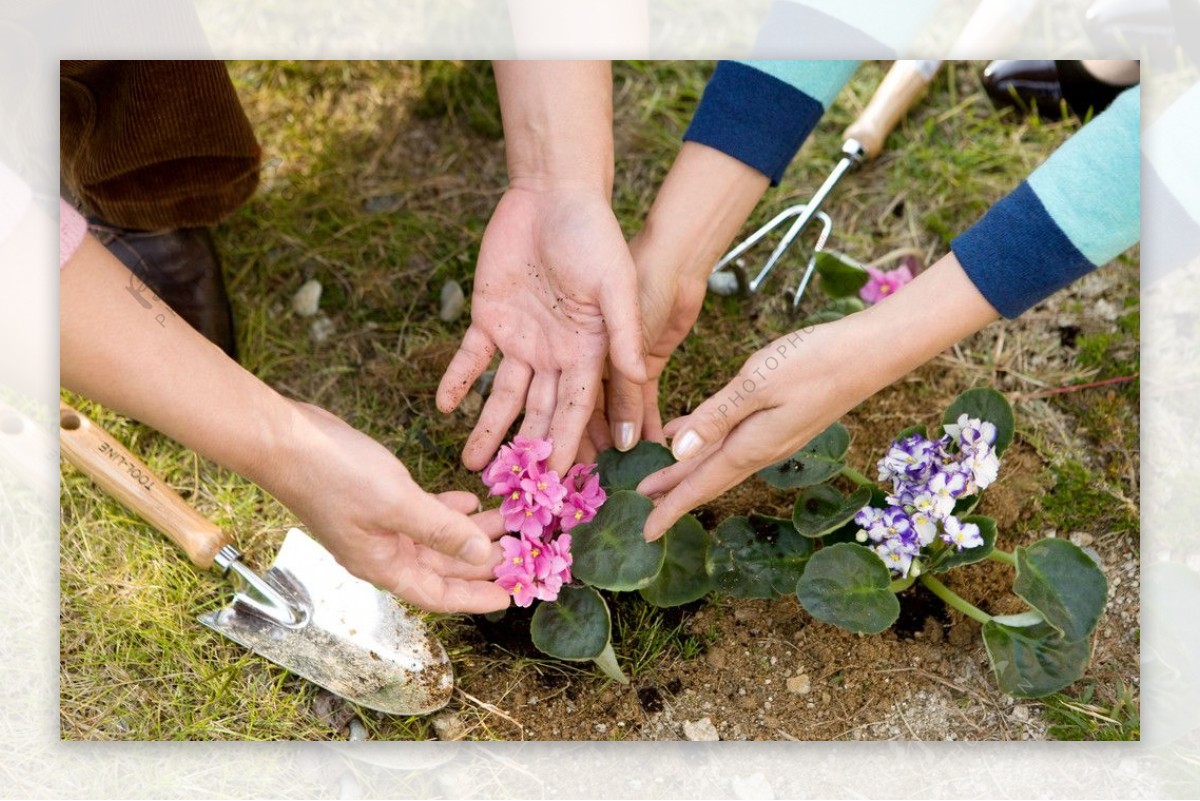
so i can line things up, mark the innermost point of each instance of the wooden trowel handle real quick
(123, 476)
(903, 84)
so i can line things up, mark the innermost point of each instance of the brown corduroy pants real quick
(154, 145)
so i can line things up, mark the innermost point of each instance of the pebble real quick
(357, 730)
(321, 329)
(716, 658)
(453, 301)
(1081, 538)
(701, 731)
(307, 299)
(799, 685)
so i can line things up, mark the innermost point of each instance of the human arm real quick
(555, 287)
(1028, 245)
(122, 347)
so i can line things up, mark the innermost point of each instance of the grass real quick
(379, 179)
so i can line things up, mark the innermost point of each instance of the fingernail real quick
(686, 445)
(476, 551)
(623, 435)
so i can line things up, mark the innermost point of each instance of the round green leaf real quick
(757, 557)
(987, 529)
(609, 552)
(1033, 660)
(849, 586)
(1063, 583)
(841, 276)
(683, 577)
(822, 509)
(835, 309)
(625, 470)
(818, 461)
(985, 404)
(577, 626)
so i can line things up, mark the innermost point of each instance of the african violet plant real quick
(845, 557)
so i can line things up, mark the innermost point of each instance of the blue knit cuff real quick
(754, 117)
(1017, 256)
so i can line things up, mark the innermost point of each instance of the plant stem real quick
(607, 662)
(902, 584)
(1003, 556)
(857, 477)
(953, 599)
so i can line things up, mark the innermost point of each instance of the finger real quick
(424, 519)
(652, 426)
(662, 481)
(490, 523)
(436, 593)
(712, 420)
(715, 475)
(502, 407)
(624, 405)
(460, 501)
(577, 391)
(434, 562)
(598, 430)
(473, 357)
(623, 322)
(539, 405)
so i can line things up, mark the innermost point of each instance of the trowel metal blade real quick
(357, 642)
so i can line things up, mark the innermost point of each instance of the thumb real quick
(712, 420)
(623, 321)
(426, 519)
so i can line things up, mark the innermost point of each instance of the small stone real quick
(1081, 538)
(453, 301)
(701, 731)
(1020, 712)
(448, 726)
(321, 329)
(357, 730)
(799, 685)
(307, 299)
(716, 658)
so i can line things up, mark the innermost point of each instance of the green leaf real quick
(822, 509)
(609, 552)
(967, 556)
(835, 309)
(908, 432)
(848, 585)
(757, 557)
(841, 276)
(818, 461)
(985, 404)
(1063, 583)
(625, 470)
(577, 626)
(683, 577)
(1034, 659)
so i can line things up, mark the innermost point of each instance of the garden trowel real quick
(306, 613)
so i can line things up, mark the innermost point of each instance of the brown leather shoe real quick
(1048, 86)
(182, 268)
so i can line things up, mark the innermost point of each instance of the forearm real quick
(890, 339)
(702, 204)
(149, 364)
(557, 123)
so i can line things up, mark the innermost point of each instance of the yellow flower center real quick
(516, 494)
(516, 589)
(541, 485)
(535, 552)
(528, 513)
(518, 560)
(516, 468)
(579, 514)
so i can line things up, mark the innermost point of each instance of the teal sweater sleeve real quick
(760, 112)
(1078, 210)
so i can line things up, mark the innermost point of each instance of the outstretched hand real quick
(555, 291)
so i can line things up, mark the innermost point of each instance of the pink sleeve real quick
(71, 230)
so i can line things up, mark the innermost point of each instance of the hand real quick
(789, 391)
(784, 395)
(555, 290)
(361, 503)
(670, 300)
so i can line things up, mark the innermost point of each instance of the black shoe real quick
(182, 268)
(1048, 86)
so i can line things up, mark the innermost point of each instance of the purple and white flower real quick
(961, 535)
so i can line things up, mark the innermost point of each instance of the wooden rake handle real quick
(904, 83)
(123, 476)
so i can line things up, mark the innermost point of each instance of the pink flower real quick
(553, 558)
(520, 586)
(882, 284)
(584, 496)
(543, 488)
(522, 515)
(517, 557)
(514, 461)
